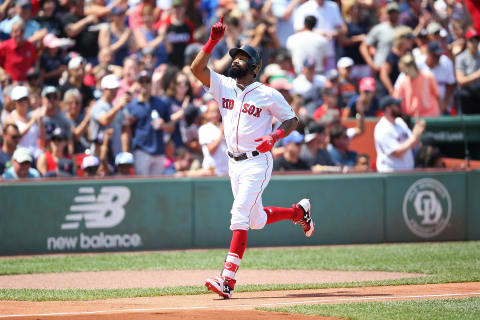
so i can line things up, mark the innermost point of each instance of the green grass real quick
(444, 262)
(437, 309)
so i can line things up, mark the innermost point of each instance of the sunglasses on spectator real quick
(25, 163)
(52, 96)
(16, 137)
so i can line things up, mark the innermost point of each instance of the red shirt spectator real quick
(16, 54)
(329, 106)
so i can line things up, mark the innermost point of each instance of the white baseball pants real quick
(248, 179)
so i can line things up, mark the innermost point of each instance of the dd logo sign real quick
(427, 208)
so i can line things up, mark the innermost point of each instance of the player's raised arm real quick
(199, 65)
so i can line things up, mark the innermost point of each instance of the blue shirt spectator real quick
(21, 166)
(338, 148)
(144, 135)
(370, 112)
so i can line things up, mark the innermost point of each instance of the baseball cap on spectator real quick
(435, 48)
(471, 33)
(18, 93)
(56, 133)
(388, 101)
(332, 74)
(309, 63)
(345, 62)
(22, 155)
(294, 137)
(124, 158)
(144, 74)
(65, 167)
(256, 4)
(281, 84)
(367, 84)
(110, 81)
(24, 3)
(392, 6)
(312, 130)
(434, 27)
(90, 161)
(48, 90)
(75, 62)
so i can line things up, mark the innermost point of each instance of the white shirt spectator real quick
(308, 90)
(388, 137)
(208, 133)
(308, 44)
(328, 18)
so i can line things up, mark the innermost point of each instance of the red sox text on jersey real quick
(246, 108)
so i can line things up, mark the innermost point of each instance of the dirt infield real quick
(173, 278)
(209, 306)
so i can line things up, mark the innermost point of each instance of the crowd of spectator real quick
(104, 87)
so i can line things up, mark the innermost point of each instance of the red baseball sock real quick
(275, 214)
(239, 242)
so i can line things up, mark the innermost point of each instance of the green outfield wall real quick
(149, 214)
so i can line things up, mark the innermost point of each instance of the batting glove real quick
(216, 33)
(267, 142)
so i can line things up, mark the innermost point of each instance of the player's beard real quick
(237, 72)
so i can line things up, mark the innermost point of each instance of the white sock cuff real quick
(233, 258)
(228, 274)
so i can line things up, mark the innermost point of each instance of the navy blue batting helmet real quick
(254, 58)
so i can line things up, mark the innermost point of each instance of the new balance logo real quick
(104, 211)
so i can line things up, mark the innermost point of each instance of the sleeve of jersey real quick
(280, 108)
(216, 81)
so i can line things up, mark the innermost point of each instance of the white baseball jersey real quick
(247, 115)
(388, 137)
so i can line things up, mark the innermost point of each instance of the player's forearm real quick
(199, 67)
(288, 126)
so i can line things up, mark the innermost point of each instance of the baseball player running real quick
(247, 108)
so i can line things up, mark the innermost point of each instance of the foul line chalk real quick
(239, 305)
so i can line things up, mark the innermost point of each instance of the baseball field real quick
(388, 281)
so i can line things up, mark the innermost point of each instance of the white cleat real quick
(221, 285)
(306, 220)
